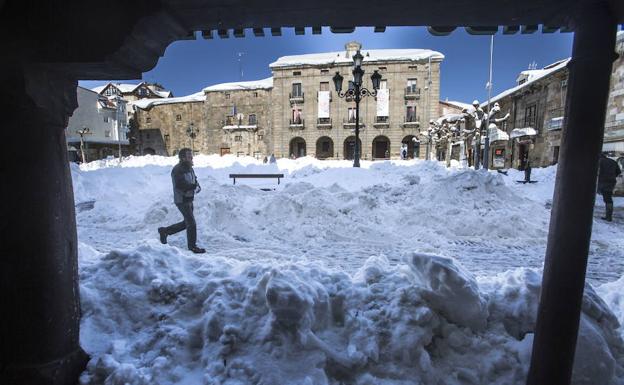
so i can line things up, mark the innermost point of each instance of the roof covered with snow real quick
(370, 55)
(149, 103)
(461, 105)
(242, 86)
(533, 76)
(123, 87)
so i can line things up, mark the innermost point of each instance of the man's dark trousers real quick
(186, 208)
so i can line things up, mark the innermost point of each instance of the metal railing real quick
(324, 122)
(298, 97)
(412, 92)
(298, 123)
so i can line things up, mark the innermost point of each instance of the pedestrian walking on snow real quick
(185, 186)
(608, 170)
(272, 159)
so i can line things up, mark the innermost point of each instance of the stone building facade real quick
(297, 111)
(536, 107)
(411, 79)
(614, 125)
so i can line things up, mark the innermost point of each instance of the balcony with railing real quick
(412, 93)
(350, 123)
(297, 124)
(381, 122)
(233, 124)
(323, 123)
(411, 121)
(296, 97)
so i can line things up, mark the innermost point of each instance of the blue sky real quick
(188, 66)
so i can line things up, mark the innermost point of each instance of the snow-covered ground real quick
(401, 272)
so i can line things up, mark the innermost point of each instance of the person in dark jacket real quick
(608, 170)
(185, 186)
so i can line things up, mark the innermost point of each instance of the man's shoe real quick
(197, 250)
(163, 235)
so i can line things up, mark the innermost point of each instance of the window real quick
(255, 94)
(148, 119)
(410, 114)
(252, 120)
(324, 120)
(412, 67)
(297, 73)
(411, 86)
(530, 115)
(178, 117)
(106, 119)
(238, 138)
(564, 83)
(296, 90)
(107, 133)
(382, 68)
(296, 116)
(324, 86)
(351, 115)
(227, 95)
(166, 137)
(229, 120)
(324, 71)
(383, 84)
(110, 91)
(260, 136)
(142, 92)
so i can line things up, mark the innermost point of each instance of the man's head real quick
(186, 155)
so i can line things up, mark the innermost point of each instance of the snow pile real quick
(149, 103)
(242, 86)
(340, 275)
(154, 315)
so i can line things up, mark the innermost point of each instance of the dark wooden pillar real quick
(573, 203)
(39, 339)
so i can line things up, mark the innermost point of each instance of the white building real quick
(106, 120)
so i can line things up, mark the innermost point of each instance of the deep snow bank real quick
(154, 315)
(318, 282)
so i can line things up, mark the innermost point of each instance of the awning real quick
(613, 146)
(497, 135)
(527, 131)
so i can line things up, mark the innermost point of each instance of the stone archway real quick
(349, 147)
(413, 147)
(381, 147)
(297, 147)
(151, 151)
(324, 147)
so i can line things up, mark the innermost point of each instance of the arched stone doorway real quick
(324, 147)
(381, 147)
(151, 151)
(349, 147)
(413, 147)
(297, 147)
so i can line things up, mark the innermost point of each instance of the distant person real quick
(387, 154)
(608, 170)
(185, 186)
(265, 160)
(527, 172)
(403, 151)
(272, 159)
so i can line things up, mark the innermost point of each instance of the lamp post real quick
(82, 132)
(486, 149)
(192, 133)
(357, 92)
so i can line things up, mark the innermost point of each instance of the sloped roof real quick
(535, 75)
(370, 55)
(148, 103)
(241, 86)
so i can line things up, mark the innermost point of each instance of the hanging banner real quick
(323, 104)
(383, 99)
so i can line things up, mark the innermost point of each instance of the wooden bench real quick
(249, 176)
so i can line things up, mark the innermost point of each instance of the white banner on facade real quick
(323, 104)
(383, 102)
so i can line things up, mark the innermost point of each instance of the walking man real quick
(608, 170)
(185, 187)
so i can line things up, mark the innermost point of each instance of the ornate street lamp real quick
(192, 133)
(357, 92)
